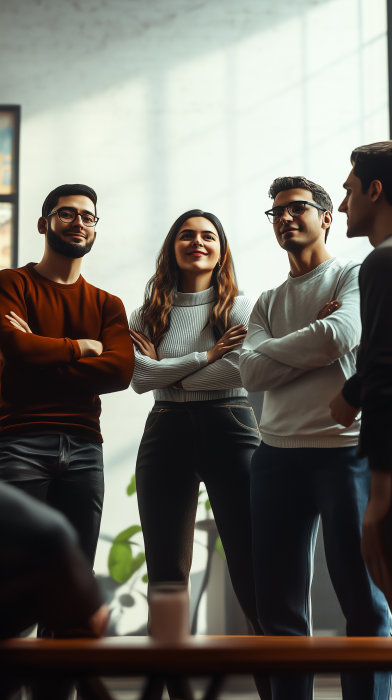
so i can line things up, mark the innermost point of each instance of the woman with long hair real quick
(187, 337)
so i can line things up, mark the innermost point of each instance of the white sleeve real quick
(258, 371)
(224, 373)
(323, 342)
(151, 374)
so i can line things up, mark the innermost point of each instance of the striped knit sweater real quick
(183, 353)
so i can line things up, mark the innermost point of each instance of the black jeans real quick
(62, 471)
(184, 444)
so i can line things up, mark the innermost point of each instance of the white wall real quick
(166, 105)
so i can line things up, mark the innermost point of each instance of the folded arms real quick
(267, 363)
(110, 371)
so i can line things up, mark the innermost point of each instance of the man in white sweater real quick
(300, 348)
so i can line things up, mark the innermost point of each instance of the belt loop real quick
(64, 451)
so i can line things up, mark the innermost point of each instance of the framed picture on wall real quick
(9, 184)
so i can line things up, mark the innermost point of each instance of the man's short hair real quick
(320, 196)
(67, 191)
(374, 162)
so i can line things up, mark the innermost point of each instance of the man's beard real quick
(70, 250)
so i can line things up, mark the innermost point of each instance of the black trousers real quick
(184, 444)
(44, 577)
(62, 471)
(291, 488)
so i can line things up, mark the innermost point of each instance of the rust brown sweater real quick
(46, 386)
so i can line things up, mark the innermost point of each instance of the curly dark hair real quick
(320, 196)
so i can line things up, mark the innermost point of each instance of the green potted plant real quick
(123, 563)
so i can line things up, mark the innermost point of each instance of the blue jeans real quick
(290, 489)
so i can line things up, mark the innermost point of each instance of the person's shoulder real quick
(243, 302)
(135, 319)
(345, 266)
(241, 310)
(268, 296)
(263, 303)
(382, 255)
(14, 276)
(102, 296)
(378, 262)
(343, 274)
(109, 305)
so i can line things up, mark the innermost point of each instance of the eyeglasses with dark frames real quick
(294, 209)
(67, 215)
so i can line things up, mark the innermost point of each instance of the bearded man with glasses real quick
(300, 348)
(63, 343)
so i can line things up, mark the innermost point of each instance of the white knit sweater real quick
(183, 353)
(301, 363)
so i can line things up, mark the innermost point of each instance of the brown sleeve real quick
(111, 371)
(25, 349)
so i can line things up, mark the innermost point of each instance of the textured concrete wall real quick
(166, 105)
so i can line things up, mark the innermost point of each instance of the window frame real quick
(14, 198)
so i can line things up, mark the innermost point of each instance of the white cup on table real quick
(168, 613)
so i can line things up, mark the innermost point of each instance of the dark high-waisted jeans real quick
(184, 444)
(63, 471)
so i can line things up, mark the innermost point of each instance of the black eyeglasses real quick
(294, 208)
(68, 215)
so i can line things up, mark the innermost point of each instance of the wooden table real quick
(217, 657)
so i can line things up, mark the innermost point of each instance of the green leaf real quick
(207, 504)
(126, 534)
(219, 548)
(137, 562)
(145, 578)
(131, 488)
(120, 562)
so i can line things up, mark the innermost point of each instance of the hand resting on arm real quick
(145, 345)
(230, 340)
(259, 371)
(88, 347)
(233, 338)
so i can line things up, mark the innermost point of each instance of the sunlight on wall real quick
(213, 131)
(294, 99)
(103, 140)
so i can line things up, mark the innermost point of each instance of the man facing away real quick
(63, 343)
(299, 349)
(368, 205)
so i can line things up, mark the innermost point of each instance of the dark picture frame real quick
(389, 44)
(9, 184)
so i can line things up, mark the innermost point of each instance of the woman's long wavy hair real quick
(157, 306)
